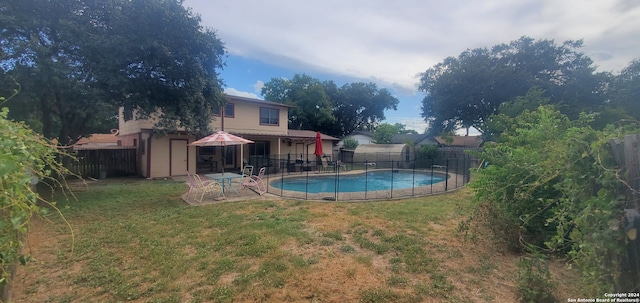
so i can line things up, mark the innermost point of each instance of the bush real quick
(350, 143)
(553, 184)
(535, 284)
(24, 157)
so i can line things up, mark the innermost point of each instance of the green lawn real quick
(136, 240)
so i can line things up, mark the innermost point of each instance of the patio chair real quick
(193, 185)
(208, 186)
(255, 183)
(247, 171)
(326, 166)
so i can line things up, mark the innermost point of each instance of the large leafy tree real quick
(625, 90)
(78, 61)
(311, 105)
(337, 111)
(465, 91)
(358, 106)
(384, 133)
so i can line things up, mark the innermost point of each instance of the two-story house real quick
(261, 121)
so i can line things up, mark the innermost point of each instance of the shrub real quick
(534, 280)
(24, 157)
(350, 143)
(553, 184)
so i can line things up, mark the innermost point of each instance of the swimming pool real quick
(370, 181)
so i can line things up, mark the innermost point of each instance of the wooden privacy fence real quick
(626, 153)
(103, 163)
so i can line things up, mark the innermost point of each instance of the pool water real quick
(370, 181)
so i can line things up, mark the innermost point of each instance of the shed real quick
(384, 155)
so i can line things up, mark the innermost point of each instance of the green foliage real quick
(427, 152)
(535, 284)
(350, 143)
(25, 157)
(80, 60)
(311, 105)
(384, 133)
(552, 184)
(625, 90)
(464, 91)
(337, 111)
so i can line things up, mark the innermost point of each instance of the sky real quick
(391, 42)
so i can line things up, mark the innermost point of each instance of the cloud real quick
(258, 86)
(392, 41)
(234, 92)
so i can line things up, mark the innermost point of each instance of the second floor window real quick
(229, 110)
(269, 116)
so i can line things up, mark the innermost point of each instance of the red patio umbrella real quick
(318, 151)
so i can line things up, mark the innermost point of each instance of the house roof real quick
(292, 134)
(380, 148)
(98, 139)
(404, 138)
(465, 141)
(254, 100)
(362, 133)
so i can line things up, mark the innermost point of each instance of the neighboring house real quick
(363, 137)
(261, 121)
(97, 141)
(471, 142)
(414, 139)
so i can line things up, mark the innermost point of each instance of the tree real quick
(357, 106)
(311, 106)
(384, 133)
(79, 61)
(625, 90)
(463, 92)
(337, 111)
(402, 129)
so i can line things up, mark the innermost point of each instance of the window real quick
(208, 150)
(135, 142)
(259, 148)
(142, 147)
(269, 116)
(229, 110)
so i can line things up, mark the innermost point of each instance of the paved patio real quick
(229, 195)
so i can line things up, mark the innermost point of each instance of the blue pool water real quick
(371, 181)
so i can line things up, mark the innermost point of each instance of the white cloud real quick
(234, 92)
(392, 41)
(258, 86)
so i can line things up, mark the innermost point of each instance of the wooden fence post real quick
(632, 167)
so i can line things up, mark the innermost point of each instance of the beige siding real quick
(132, 126)
(160, 155)
(246, 119)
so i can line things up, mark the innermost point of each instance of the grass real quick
(135, 240)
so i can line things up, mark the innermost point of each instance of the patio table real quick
(224, 178)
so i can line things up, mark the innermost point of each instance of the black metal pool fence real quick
(285, 171)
